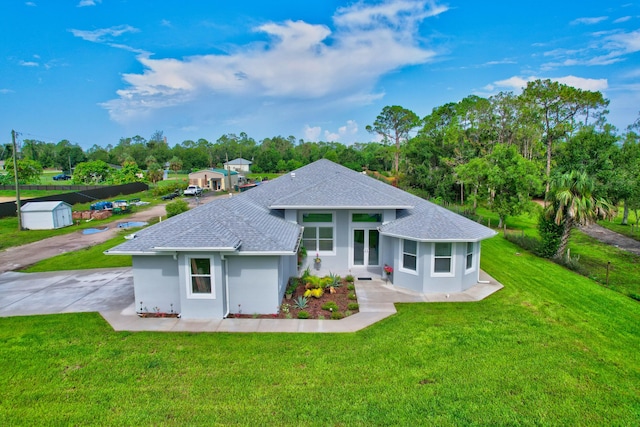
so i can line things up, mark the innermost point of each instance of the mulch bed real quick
(340, 297)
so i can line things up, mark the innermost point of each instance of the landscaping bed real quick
(328, 297)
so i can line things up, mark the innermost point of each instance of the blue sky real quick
(93, 71)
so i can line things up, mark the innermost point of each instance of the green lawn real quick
(552, 348)
(90, 257)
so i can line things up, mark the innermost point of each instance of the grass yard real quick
(91, 257)
(552, 348)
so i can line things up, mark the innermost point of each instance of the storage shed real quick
(46, 215)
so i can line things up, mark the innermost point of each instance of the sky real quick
(94, 71)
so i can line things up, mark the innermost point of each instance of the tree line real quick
(503, 150)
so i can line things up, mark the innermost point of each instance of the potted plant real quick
(302, 254)
(388, 270)
(317, 260)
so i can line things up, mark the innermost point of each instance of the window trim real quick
(452, 269)
(466, 258)
(189, 276)
(416, 255)
(317, 226)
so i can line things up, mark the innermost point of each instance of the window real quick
(366, 217)
(200, 278)
(318, 232)
(469, 255)
(409, 255)
(442, 260)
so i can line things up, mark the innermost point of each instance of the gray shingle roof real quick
(253, 221)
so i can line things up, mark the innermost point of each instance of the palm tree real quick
(571, 202)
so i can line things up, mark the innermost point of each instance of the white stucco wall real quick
(254, 285)
(155, 280)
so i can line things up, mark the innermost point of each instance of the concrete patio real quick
(110, 292)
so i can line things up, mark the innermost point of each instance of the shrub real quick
(303, 315)
(350, 278)
(336, 315)
(353, 306)
(551, 234)
(351, 295)
(527, 243)
(307, 293)
(317, 293)
(176, 207)
(347, 313)
(330, 306)
(301, 302)
(351, 287)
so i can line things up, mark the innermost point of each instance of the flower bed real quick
(342, 294)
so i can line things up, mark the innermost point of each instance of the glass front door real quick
(366, 244)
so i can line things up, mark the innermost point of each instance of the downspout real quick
(226, 284)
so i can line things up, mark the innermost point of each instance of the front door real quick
(366, 244)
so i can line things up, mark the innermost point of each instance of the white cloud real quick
(30, 3)
(311, 133)
(299, 61)
(5, 91)
(84, 3)
(29, 64)
(589, 21)
(103, 35)
(517, 83)
(622, 19)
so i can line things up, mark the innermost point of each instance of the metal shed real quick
(46, 215)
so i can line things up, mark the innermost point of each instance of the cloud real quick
(299, 61)
(311, 133)
(589, 21)
(608, 47)
(30, 3)
(103, 35)
(84, 3)
(346, 132)
(29, 64)
(517, 83)
(622, 19)
(5, 91)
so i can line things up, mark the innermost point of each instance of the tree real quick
(155, 173)
(130, 172)
(175, 164)
(394, 124)
(93, 172)
(511, 180)
(29, 171)
(571, 202)
(557, 108)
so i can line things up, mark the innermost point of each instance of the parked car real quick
(61, 177)
(171, 196)
(193, 190)
(99, 206)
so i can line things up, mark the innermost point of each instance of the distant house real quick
(237, 253)
(46, 215)
(2, 167)
(239, 165)
(215, 179)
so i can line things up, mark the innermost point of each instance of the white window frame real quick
(416, 255)
(312, 252)
(472, 255)
(452, 264)
(189, 276)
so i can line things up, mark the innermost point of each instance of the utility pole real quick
(228, 172)
(15, 175)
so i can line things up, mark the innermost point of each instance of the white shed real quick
(46, 215)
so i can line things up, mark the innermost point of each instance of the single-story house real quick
(215, 179)
(46, 215)
(239, 165)
(237, 253)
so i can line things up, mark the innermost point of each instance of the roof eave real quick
(359, 207)
(417, 239)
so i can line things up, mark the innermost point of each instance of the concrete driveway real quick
(23, 294)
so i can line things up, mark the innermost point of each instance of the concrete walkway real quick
(110, 291)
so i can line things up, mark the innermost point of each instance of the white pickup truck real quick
(193, 190)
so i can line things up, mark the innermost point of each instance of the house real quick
(239, 165)
(236, 254)
(215, 179)
(46, 215)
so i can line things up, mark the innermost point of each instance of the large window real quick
(318, 236)
(443, 260)
(200, 278)
(469, 255)
(410, 255)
